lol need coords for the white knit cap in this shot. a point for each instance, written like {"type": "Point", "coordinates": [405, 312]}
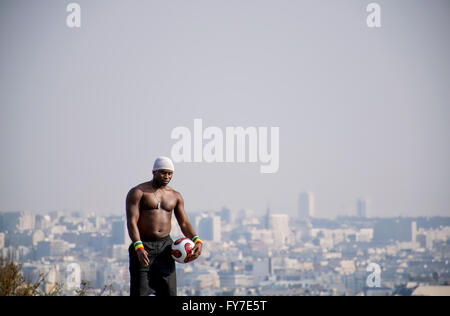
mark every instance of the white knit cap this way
{"type": "Point", "coordinates": [163, 163]}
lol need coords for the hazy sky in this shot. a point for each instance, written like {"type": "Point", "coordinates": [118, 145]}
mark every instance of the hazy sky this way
{"type": "Point", "coordinates": [362, 112]}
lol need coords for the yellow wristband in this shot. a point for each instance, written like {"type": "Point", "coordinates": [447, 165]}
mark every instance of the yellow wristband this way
{"type": "Point", "coordinates": [139, 247]}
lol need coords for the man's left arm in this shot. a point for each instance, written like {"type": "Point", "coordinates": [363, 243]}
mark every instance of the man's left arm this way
{"type": "Point", "coordinates": [186, 226]}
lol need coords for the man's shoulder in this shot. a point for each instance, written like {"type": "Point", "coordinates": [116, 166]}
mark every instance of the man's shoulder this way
{"type": "Point", "coordinates": [173, 191]}
{"type": "Point", "coordinates": [141, 186]}
{"type": "Point", "coordinates": [136, 190]}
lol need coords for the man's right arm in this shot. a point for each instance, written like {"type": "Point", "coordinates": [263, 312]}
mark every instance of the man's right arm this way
{"type": "Point", "coordinates": [132, 206]}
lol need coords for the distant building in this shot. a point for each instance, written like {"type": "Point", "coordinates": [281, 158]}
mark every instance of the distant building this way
{"type": "Point", "coordinates": [2, 240]}
{"type": "Point", "coordinates": [413, 231]}
{"type": "Point", "coordinates": [306, 206]}
{"type": "Point", "coordinates": [234, 280]}
{"type": "Point", "coordinates": [210, 228]}
{"type": "Point", "coordinates": [361, 208]}
{"type": "Point", "coordinates": [119, 233]}
{"type": "Point", "coordinates": [19, 238]}
{"type": "Point", "coordinates": [377, 291]}
{"type": "Point", "coordinates": [267, 219]}
{"type": "Point", "coordinates": [37, 236]}
{"type": "Point", "coordinates": [12, 221]}
{"type": "Point", "coordinates": [422, 240]}
{"type": "Point", "coordinates": [56, 248]}
{"type": "Point", "coordinates": [364, 235]}
{"type": "Point", "coordinates": [392, 229]}
{"type": "Point", "coordinates": [424, 290]}
{"type": "Point", "coordinates": [226, 216]}
{"type": "Point", "coordinates": [42, 222]}
{"type": "Point", "coordinates": [261, 270]}
{"type": "Point", "coordinates": [27, 221]}
{"type": "Point", "coordinates": [279, 225]}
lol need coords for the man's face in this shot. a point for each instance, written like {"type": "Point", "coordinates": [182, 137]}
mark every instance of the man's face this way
{"type": "Point", "coordinates": [163, 176]}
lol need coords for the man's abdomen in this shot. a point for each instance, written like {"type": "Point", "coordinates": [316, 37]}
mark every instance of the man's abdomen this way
{"type": "Point", "coordinates": [155, 223]}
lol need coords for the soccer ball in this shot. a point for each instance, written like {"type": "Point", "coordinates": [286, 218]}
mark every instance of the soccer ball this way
{"type": "Point", "coordinates": [182, 250]}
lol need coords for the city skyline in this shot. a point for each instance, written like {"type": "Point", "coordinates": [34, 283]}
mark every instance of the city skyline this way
{"type": "Point", "coordinates": [351, 212]}
{"type": "Point", "coordinates": [243, 255]}
{"type": "Point", "coordinates": [361, 111]}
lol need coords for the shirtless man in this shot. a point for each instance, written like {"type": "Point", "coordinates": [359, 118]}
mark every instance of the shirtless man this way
{"type": "Point", "coordinates": [149, 208]}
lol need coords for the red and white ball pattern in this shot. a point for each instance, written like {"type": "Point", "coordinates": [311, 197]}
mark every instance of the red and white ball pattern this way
{"type": "Point", "coordinates": [182, 250]}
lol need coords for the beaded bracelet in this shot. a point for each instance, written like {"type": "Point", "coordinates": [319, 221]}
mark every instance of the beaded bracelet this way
{"type": "Point", "coordinates": [197, 239]}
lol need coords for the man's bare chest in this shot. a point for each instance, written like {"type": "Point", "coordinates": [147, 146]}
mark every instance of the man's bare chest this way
{"type": "Point", "coordinates": [158, 200]}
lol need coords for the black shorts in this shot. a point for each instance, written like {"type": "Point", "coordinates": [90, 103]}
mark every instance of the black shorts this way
{"type": "Point", "coordinates": [159, 277]}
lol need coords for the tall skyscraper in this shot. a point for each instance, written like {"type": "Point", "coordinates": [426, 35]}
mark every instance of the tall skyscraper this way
{"type": "Point", "coordinates": [306, 205]}
{"type": "Point", "coordinates": [210, 228]}
{"type": "Point", "coordinates": [267, 219]}
{"type": "Point", "coordinates": [361, 208]}
{"type": "Point", "coordinates": [413, 231]}
{"type": "Point", "coordinates": [279, 225]}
